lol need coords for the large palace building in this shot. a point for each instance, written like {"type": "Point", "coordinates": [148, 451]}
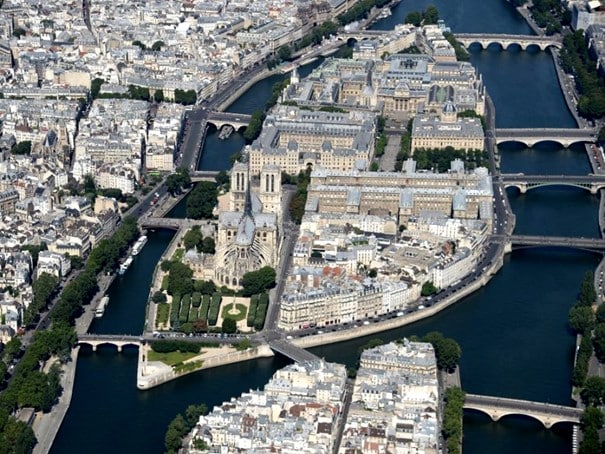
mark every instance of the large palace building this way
{"type": "Point", "coordinates": [296, 139]}
{"type": "Point", "coordinates": [457, 193]}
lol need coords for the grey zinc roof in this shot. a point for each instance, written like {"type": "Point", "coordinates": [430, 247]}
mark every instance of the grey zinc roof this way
{"type": "Point", "coordinates": [459, 202]}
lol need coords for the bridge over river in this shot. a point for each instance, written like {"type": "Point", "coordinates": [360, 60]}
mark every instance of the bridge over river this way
{"type": "Point", "coordinates": [524, 183]}
{"type": "Point", "coordinates": [523, 41]}
{"type": "Point", "coordinates": [531, 136]}
{"type": "Point", "coordinates": [498, 407]}
{"type": "Point", "coordinates": [527, 241]}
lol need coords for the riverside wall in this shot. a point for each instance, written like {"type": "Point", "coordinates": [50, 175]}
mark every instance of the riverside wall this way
{"type": "Point", "coordinates": [146, 380]}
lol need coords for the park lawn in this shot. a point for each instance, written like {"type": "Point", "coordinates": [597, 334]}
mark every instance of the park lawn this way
{"type": "Point", "coordinates": [165, 282]}
{"type": "Point", "coordinates": [178, 255]}
{"type": "Point", "coordinates": [237, 317]}
{"type": "Point", "coordinates": [163, 312]}
{"type": "Point", "coordinates": [170, 358]}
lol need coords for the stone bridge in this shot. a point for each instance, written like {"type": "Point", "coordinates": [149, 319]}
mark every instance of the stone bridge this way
{"type": "Point", "coordinates": [203, 175]}
{"type": "Point", "coordinates": [291, 351]}
{"type": "Point", "coordinates": [360, 35]}
{"type": "Point", "coordinates": [529, 241]}
{"type": "Point", "coordinates": [118, 340]}
{"type": "Point", "coordinates": [524, 183]}
{"type": "Point", "coordinates": [220, 119]}
{"type": "Point", "coordinates": [152, 222]}
{"type": "Point", "coordinates": [523, 41]}
{"type": "Point", "coordinates": [498, 407]}
{"type": "Point", "coordinates": [529, 137]}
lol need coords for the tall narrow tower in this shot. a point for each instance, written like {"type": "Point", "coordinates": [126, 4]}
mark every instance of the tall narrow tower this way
{"type": "Point", "coordinates": [240, 180]}
{"type": "Point", "coordinates": [270, 190]}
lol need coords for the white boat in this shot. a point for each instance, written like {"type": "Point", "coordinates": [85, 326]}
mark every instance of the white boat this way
{"type": "Point", "coordinates": [139, 245]}
{"type": "Point", "coordinates": [124, 266]}
{"type": "Point", "coordinates": [226, 132]}
{"type": "Point", "coordinates": [385, 13]}
{"type": "Point", "coordinates": [101, 307]}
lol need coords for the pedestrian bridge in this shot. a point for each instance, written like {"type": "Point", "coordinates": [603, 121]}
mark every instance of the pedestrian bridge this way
{"type": "Point", "coordinates": [220, 119]}
{"type": "Point", "coordinates": [523, 41]}
{"type": "Point", "coordinates": [118, 340]}
{"type": "Point", "coordinates": [292, 351]}
{"type": "Point", "coordinates": [529, 241]}
{"type": "Point", "coordinates": [524, 183]}
{"type": "Point", "coordinates": [530, 137]}
{"type": "Point", "coordinates": [498, 407]}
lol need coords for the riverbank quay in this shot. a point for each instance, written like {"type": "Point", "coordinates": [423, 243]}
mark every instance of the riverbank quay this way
{"type": "Point", "coordinates": [568, 88]}
{"type": "Point", "coordinates": [46, 425]}
{"type": "Point", "coordinates": [526, 13]}
{"type": "Point", "coordinates": [155, 373]}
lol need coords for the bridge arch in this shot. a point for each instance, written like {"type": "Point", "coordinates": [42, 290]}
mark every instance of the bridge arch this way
{"type": "Point", "coordinates": [546, 420]}
{"type": "Point", "coordinates": [118, 344]}
{"type": "Point", "coordinates": [523, 187]}
{"type": "Point", "coordinates": [220, 124]}
{"type": "Point", "coordinates": [530, 142]}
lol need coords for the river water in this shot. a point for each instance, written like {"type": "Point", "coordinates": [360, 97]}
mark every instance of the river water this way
{"type": "Point", "coordinates": [513, 332]}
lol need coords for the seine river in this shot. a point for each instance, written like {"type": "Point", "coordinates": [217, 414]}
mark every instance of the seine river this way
{"type": "Point", "coordinates": [513, 332]}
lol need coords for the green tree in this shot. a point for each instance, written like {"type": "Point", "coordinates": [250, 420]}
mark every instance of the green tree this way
{"type": "Point", "coordinates": [157, 46]}
{"type": "Point", "coordinates": [255, 126]}
{"type": "Point", "coordinates": [166, 265]}
{"type": "Point", "coordinates": [431, 15]}
{"type": "Point", "coordinates": [193, 238]}
{"type": "Point", "coordinates": [414, 18]}
{"type": "Point", "coordinates": [208, 245]}
{"type": "Point", "coordinates": [193, 413]}
{"type": "Point", "coordinates": [174, 434]}
{"type": "Point", "coordinates": [12, 349]}
{"type": "Point", "coordinates": [95, 87]}
{"type": "Point", "coordinates": [255, 282]}
{"type": "Point", "coordinates": [600, 316]}
{"type": "Point", "coordinates": [24, 147]}
{"type": "Point", "coordinates": [202, 200]}
{"type": "Point", "coordinates": [158, 96]}
{"type": "Point", "coordinates": [284, 52]}
{"type": "Point", "coordinates": [223, 179]}
{"type": "Point", "coordinates": [428, 289]}
{"type": "Point", "coordinates": [447, 350]}
{"type": "Point", "coordinates": [581, 319]}
{"type": "Point", "coordinates": [598, 342]}
{"type": "Point", "coordinates": [593, 392]}
{"type": "Point", "coordinates": [229, 326]}
{"type": "Point", "coordinates": [180, 279]}
{"type": "Point", "coordinates": [159, 297]}
{"type": "Point", "coordinates": [592, 418]}
{"type": "Point", "coordinates": [205, 287]}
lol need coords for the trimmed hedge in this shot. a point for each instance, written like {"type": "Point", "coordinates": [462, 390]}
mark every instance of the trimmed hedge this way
{"type": "Point", "coordinates": [204, 308]}
{"type": "Point", "coordinates": [261, 311]}
{"type": "Point", "coordinates": [185, 304]}
{"type": "Point", "coordinates": [193, 313]}
{"type": "Point", "coordinates": [174, 309]}
{"type": "Point", "coordinates": [213, 311]}
{"type": "Point", "coordinates": [252, 311]}
{"type": "Point", "coordinates": [196, 299]}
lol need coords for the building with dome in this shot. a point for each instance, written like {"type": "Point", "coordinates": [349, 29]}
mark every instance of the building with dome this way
{"type": "Point", "coordinates": [249, 233]}
{"type": "Point", "coordinates": [447, 130]}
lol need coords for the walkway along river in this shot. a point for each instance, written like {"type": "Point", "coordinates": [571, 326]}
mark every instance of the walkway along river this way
{"type": "Point", "coordinates": [506, 329]}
